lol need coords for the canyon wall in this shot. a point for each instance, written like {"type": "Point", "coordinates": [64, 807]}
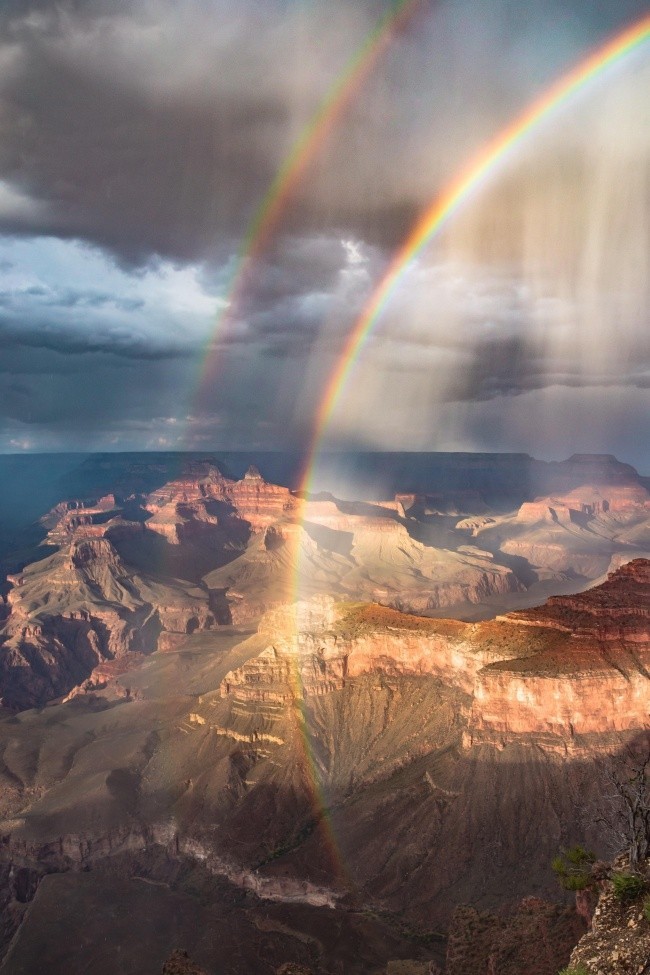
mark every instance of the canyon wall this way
{"type": "Point", "coordinates": [570, 668]}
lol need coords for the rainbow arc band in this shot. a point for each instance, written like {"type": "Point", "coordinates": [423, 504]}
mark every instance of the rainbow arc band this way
{"type": "Point", "coordinates": [471, 178]}
{"type": "Point", "coordinates": [441, 210]}
{"type": "Point", "coordinates": [264, 223]}
{"type": "Point", "coordinates": [306, 147]}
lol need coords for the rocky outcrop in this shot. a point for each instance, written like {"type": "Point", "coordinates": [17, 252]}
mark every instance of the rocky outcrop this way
{"type": "Point", "coordinates": [251, 500]}
{"type": "Point", "coordinates": [590, 673]}
{"type": "Point", "coordinates": [361, 558]}
{"type": "Point", "coordinates": [585, 503]}
{"type": "Point", "coordinates": [81, 608]}
{"type": "Point", "coordinates": [531, 673]}
{"type": "Point", "coordinates": [616, 611]}
{"type": "Point", "coordinates": [578, 532]}
{"type": "Point", "coordinates": [315, 647]}
{"type": "Point", "coordinates": [619, 939]}
{"type": "Point", "coordinates": [73, 517]}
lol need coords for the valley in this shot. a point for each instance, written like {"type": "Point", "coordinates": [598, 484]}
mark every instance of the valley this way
{"type": "Point", "coordinates": [307, 714]}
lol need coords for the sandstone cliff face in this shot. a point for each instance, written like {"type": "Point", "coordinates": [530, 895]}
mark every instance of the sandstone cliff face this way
{"type": "Point", "coordinates": [509, 704]}
{"type": "Point", "coordinates": [251, 499]}
{"type": "Point", "coordinates": [528, 673]}
{"type": "Point", "coordinates": [590, 674]}
{"type": "Point", "coordinates": [315, 649]}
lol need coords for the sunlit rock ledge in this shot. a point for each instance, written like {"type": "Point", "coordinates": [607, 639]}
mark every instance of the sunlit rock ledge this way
{"type": "Point", "coordinates": [558, 672]}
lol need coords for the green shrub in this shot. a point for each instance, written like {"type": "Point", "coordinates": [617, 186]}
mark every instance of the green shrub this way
{"type": "Point", "coordinates": [573, 868]}
{"type": "Point", "coordinates": [574, 970]}
{"type": "Point", "coordinates": [646, 909]}
{"type": "Point", "coordinates": [627, 886]}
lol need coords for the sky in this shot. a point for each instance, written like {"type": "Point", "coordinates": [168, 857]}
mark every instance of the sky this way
{"type": "Point", "coordinates": [138, 139]}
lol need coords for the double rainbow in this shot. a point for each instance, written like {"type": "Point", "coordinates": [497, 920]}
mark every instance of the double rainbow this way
{"type": "Point", "coordinates": [478, 171]}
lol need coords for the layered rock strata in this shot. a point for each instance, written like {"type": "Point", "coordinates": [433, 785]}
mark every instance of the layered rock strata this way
{"type": "Point", "coordinates": [251, 499]}
{"type": "Point", "coordinates": [568, 669]}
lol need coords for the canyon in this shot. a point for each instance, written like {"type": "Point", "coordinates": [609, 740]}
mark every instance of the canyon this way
{"type": "Point", "coordinates": [318, 712]}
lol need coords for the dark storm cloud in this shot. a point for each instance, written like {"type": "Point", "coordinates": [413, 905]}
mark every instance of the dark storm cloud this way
{"type": "Point", "coordinates": [490, 368]}
{"type": "Point", "coordinates": [59, 391]}
{"type": "Point", "coordinates": [118, 342]}
{"type": "Point", "coordinates": [158, 127]}
{"type": "Point", "coordinates": [137, 158]}
{"type": "Point", "coordinates": [298, 293]}
{"type": "Point", "coordinates": [295, 267]}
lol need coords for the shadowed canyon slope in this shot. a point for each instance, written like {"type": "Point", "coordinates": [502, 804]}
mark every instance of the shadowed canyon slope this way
{"type": "Point", "coordinates": [334, 761]}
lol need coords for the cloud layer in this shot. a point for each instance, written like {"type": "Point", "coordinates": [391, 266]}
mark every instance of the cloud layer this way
{"type": "Point", "coordinates": [137, 140]}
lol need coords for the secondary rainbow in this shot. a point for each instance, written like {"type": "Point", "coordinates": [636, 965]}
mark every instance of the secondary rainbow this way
{"type": "Point", "coordinates": [321, 813]}
{"type": "Point", "coordinates": [260, 230]}
{"type": "Point", "coordinates": [485, 164]}
{"type": "Point", "coordinates": [306, 147]}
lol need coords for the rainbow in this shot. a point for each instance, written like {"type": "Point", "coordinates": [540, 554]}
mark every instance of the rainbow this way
{"type": "Point", "coordinates": [260, 230]}
{"type": "Point", "coordinates": [306, 147]}
{"type": "Point", "coordinates": [320, 810]}
{"type": "Point", "coordinates": [485, 164]}
{"type": "Point", "coordinates": [482, 167]}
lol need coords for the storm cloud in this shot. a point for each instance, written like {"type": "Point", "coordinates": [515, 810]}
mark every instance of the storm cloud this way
{"type": "Point", "coordinates": [137, 141]}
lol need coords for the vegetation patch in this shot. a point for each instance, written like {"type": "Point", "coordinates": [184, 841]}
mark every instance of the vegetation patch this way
{"type": "Point", "coordinates": [359, 618]}
{"type": "Point", "coordinates": [572, 868]}
{"type": "Point", "coordinates": [628, 886]}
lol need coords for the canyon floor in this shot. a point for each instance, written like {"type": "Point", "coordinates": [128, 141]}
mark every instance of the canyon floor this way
{"type": "Point", "coordinates": [343, 733]}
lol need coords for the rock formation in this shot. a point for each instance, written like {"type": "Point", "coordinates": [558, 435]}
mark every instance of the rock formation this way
{"type": "Point", "coordinates": [252, 500]}
{"type": "Point", "coordinates": [535, 672]}
{"type": "Point", "coordinates": [246, 546]}
{"type": "Point", "coordinates": [619, 939]}
{"type": "Point", "coordinates": [363, 770]}
{"type": "Point", "coordinates": [80, 609]}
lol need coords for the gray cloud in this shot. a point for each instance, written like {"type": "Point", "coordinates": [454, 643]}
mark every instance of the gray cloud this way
{"type": "Point", "coordinates": [154, 130]}
{"type": "Point", "coordinates": [41, 335]}
{"type": "Point", "coordinates": [143, 128]}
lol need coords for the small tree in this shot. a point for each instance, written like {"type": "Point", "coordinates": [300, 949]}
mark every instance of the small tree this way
{"type": "Point", "coordinates": [573, 868]}
{"type": "Point", "coordinates": [626, 806]}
